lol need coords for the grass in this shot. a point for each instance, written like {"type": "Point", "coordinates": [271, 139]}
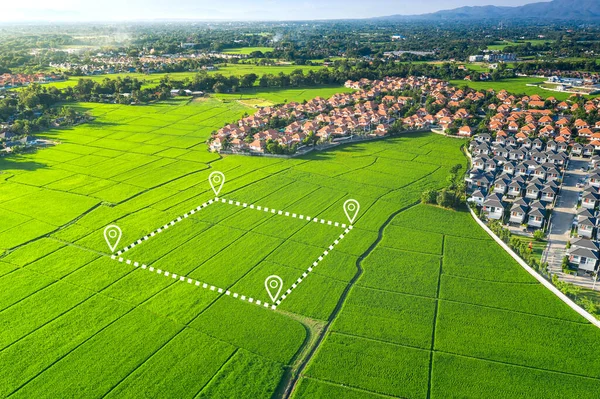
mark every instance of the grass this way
{"type": "Point", "coordinates": [265, 97]}
{"type": "Point", "coordinates": [501, 45]}
{"type": "Point", "coordinates": [248, 50]}
{"type": "Point", "coordinates": [517, 86]}
{"type": "Point", "coordinates": [537, 247]}
{"type": "Point", "coordinates": [434, 292]}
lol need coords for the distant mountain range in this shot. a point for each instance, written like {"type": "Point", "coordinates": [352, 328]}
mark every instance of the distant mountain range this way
{"type": "Point", "coordinates": [556, 10]}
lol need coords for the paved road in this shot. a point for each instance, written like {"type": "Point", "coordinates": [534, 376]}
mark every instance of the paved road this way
{"type": "Point", "coordinates": [562, 219]}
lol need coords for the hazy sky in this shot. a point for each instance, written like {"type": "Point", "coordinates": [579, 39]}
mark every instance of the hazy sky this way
{"type": "Point", "coordinates": [118, 10]}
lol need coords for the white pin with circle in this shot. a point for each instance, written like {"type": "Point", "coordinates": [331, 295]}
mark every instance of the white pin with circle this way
{"type": "Point", "coordinates": [112, 235]}
{"type": "Point", "coordinates": [216, 180]}
{"type": "Point", "coordinates": [273, 284]}
{"type": "Point", "coordinates": [351, 208]}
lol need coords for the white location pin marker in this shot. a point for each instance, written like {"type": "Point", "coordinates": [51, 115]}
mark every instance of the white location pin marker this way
{"type": "Point", "coordinates": [273, 285]}
{"type": "Point", "coordinates": [112, 235]}
{"type": "Point", "coordinates": [216, 180]}
{"type": "Point", "coordinates": [351, 208]}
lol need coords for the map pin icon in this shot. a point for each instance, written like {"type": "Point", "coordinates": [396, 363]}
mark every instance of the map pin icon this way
{"type": "Point", "coordinates": [112, 235]}
{"type": "Point", "coordinates": [351, 208]}
{"type": "Point", "coordinates": [273, 285]}
{"type": "Point", "coordinates": [216, 180]}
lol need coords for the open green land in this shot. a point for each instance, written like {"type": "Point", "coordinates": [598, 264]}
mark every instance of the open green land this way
{"type": "Point", "coordinates": [501, 45]}
{"type": "Point", "coordinates": [151, 80]}
{"type": "Point", "coordinates": [435, 308]}
{"type": "Point", "coordinates": [248, 50]}
{"type": "Point", "coordinates": [263, 97]}
{"type": "Point", "coordinates": [515, 86]}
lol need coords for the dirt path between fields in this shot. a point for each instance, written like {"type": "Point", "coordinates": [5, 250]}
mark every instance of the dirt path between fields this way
{"type": "Point", "coordinates": [292, 378]}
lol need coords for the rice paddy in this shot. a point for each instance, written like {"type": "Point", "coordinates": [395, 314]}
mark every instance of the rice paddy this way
{"type": "Point", "coordinates": [433, 308]}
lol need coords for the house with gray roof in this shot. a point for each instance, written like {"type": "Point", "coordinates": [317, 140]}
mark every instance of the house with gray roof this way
{"type": "Point", "coordinates": [501, 185]}
{"type": "Point", "coordinates": [515, 189]}
{"type": "Point", "coordinates": [589, 200]}
{"type": "Point", "coordinates": [479, 163]}
{"type": "Point", "coordinates": [493, 207]}
{"type": "Point", "coordinates": [533, 191]}
{"type": "Point", "coordinates": [481, 181]}
{"type": "Point", "coordinates": [562, 147]}
{"type": "Point", "coordinates": [477, 197]}
{"type": "Point", "coordinates": [595, 161]}
{"type": "Point", "coordinates": [491, 165]}
{"type": "Point", "coordinates": [584, 253]}
{"type": "Point", "coordinates": [595, 179]}
{"type": "Point", "coordinates": [552, 174]}
{"type": "Point", "coordinates": [539, 172]}
{"type": "Point", "coordinates": [588, 150]}
{"type": "Point", "coordinates": [539, 157]}
{"type": "Point", "coordinates": [548, 193]}
{"type": "Point", "coordinates": [586, 227]}
{"type": "Point", "coordinates": [537, 217]}
{"type": "Point", "coordinates": [518, 212]}
{"type": "Point", "coordinates": [584, 213]}
{"type": "Point", "coordinates": [483, 137]}
{"type": "Point", "coordinates": [509, 167]}
{"type": "Point", "coordinates": [516, 155]}
{"type": "Point", "coordinates": [521, 169]}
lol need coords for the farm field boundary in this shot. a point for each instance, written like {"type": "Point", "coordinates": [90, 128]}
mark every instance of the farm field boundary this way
{"type": "Point", "coordinates": [220, 290]}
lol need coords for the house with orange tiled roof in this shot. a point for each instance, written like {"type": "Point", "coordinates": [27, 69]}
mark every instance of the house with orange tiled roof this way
{"type": "Point", "coordinates": [562, 122]}
{"type": "Point", "coordinates": [581, 124]}
{"type": "Point", "coordinates": [545, 120]}
{"type": "Point", "coordinates": [584, 133]}
{"type": "Point", "coordinates": [536, 104]}
{"type": "Point", "coordinates": [465, 131]}
{"type": "Point", "coordinates": [257, 146]}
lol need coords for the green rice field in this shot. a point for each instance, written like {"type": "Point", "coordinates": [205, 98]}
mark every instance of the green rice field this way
{"type": "Point", "coordinates": [413, 302]}
{"type": "Point", "coordinates": [248, 50]}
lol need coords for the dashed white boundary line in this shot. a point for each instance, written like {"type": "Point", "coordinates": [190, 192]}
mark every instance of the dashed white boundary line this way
{"type": "Point", "coordinates": [281, 213]}
{"type": "Point", "coordinates": [219, 290]}
{"type": "Point", "coordinates": [315, 264]}
{"type": "Point", "coordinates": [194, 282]}
{"type": "Point", "coordinates": [166, 226]}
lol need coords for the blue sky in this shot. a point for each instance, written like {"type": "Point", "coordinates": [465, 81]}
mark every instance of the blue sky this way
{"type": "Point", "coordinates": [119, 10]}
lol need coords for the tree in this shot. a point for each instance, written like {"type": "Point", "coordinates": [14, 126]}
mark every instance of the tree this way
{"type": "Point", "coordinates": [429, 197]}
{"type": "Point", "coordinates": [219, 87]}
{"type": "Point", "coordinates": [445, 198]}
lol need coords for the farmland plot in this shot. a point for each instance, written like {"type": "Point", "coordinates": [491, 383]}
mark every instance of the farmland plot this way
{"type": "Point", "coordinates": [490, 329]}
{"type": "Point", "coordinates": [419, 321]}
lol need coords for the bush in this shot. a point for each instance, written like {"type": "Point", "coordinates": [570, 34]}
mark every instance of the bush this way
{"type": "Point", "coordinates": [538, 235]}
{"type": "Point", "coordinates": [565, 264]}
{"type": "Point", "coordinates": [429, 197]}
{"type": "Point", "coordinates": [589, 305]}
